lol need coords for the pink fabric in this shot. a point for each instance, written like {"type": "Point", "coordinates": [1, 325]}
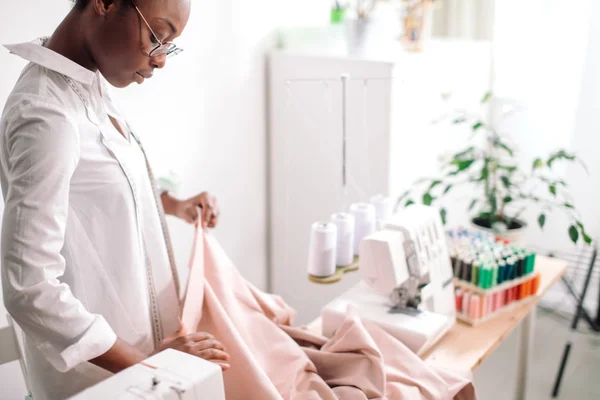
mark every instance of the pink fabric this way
{"type": "Point", "coordinates": [271, 360]}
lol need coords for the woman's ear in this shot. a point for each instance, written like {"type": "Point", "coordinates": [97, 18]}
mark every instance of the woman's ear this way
{"type": "Point", "coordinates": [104, 7]}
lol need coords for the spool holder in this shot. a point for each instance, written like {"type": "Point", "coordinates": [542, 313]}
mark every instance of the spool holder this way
{"type": "Point", "coordinates": [339, 274]}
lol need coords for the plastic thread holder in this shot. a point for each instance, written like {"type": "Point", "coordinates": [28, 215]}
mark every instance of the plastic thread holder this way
{"type": "Point", "coordinates": [490, 275]}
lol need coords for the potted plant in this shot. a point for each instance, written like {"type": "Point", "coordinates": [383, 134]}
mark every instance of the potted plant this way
{"type": "Point", "coordinates": [506, 189]}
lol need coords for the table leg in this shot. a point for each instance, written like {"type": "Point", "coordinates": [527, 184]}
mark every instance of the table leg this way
{"type": "Point", "coordinates": [524, 349]}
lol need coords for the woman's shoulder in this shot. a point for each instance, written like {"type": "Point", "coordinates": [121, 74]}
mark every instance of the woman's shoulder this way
{"type": "Point", "coordinates": [40, 88]}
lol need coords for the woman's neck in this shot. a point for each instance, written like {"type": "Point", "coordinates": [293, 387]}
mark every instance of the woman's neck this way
{"type": "Point", "coordinates": [68, 40]}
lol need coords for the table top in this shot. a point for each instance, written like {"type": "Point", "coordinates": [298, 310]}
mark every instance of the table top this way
{"type": "Point", "coordinates": [465, 347]}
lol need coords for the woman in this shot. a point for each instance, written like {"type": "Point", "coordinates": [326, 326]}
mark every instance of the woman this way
{"type": "Point", "coordinates": [87, 270]}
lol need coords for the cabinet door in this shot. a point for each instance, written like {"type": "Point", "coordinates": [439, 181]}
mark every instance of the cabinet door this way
{"type": "Point", "coordinates": [306, 160]}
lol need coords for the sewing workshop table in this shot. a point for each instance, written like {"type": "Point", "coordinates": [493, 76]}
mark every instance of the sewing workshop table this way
{"type": "Point", "coordinates": [465, 348]}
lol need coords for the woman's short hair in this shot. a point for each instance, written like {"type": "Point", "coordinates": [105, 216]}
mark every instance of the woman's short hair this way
{"type": "Point", "coordinates": [80, 4]}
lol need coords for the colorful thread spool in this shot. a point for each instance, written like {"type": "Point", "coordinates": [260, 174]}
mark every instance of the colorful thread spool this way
{"type": "Point", "coordinates": [474, 311]}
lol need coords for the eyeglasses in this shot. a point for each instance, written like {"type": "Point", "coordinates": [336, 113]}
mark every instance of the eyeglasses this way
{"type": "Point", "coordinates": [160, 48]}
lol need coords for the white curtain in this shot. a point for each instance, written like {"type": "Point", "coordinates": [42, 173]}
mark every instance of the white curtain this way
{"type": "Point", "coordinates": [463, 19]}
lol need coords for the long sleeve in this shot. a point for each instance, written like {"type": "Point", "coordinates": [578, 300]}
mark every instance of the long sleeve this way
{"type": "Point", "coordinates": [41, 148]}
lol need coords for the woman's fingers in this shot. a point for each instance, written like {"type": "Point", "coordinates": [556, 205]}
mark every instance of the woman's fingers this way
{"type": "Point", "coordinates": [213, 355]}
{"type": "Point", "coordinates": [213, 222]}
{"type": "Point", "coordinates": [224, 366]}
{"type": "Point", "coordinates": [209, 344]}
{"type": "Point", "coordinates": [207, 211]}
{"type": "Point", "coordinates": [199, 336]}
{"type": "Point", "coordinates": [213, 219]}
{"type": "Point", "coordinates": [191, 215]}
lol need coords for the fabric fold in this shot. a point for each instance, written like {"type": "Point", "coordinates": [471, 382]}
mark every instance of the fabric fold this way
{"type": "Point", "coordinates": [271, 360]}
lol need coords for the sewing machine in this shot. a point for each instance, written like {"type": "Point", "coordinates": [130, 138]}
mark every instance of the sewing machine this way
{"type": "Point", "coordinates": [169, 375]}
{"type": "Point", "coordinates": [407, 284]}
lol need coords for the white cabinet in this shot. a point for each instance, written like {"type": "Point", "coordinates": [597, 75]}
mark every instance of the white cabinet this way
{"type": "Point", "coordinates": [391, 141]}
{"type": "Point", "coordinates": [305, 146]}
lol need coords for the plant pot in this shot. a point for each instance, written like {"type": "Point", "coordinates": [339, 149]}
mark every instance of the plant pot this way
{"type": "Point", "coordinates": [515, 232]}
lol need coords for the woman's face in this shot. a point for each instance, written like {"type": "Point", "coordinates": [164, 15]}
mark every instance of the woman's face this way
{"type": "Point", "coordinates": [121, 40]}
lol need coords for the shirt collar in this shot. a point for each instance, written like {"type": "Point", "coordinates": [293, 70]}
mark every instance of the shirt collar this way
{"type": "Point", "coordinates": [37, 53]}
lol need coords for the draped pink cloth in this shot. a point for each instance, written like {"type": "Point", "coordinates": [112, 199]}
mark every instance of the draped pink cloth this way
{"type": "Point", "coordinates": [270, 360]}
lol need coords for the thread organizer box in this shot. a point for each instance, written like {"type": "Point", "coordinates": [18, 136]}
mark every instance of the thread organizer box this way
{"type": "Point", "coordinates": [490, 275]}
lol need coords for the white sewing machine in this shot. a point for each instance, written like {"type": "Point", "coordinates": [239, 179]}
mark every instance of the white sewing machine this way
{"type": "Point", "coordinates": [407, 284]}
{"type": "Point", "coordinates": [169, 375]}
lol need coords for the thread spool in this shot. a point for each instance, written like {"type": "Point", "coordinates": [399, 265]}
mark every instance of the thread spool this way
{"type": "Point", "coordinates": [467, 270]}
{"type": "Point", "coordinates": [345, 238]}
{"type": "Point", "coordinates": [322, 249]}
{"type": "Point", "coordinates": [364, 222]}
{"type": "Point", "coordinates": [475, 273]}
{"type": "Point", "coordinates": [484, 273]}
{"type": "Point", "coordinates": [383, 207]}
{"type": "Point", "coordinates": [501, 271]}
{"type": "Point", "coordinates": [483, 306]}
{"type": "Point", "coordinates": [521, 265]}
{"type": "Point", "coordinates": [459, 299]}
{"type": "Point", "coordinates": [466, 302]}
{"type": "Point", "coordinates": [474, 310]}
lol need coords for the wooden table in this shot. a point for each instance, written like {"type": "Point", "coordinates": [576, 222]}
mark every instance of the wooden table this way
{"type": "Point", "coordinates": [465, 347]}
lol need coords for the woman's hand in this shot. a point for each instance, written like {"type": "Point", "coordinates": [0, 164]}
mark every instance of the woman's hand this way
{"type": "Point", "coordinates": [199, 344]}
{"type": "Point", "coordinates": [202, 206]}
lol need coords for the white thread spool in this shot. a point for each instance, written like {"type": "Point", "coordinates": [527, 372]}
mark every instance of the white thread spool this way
{"type": "Point", "coordinates": [364, 222]}
{"type": "Point", "coordinates": [383, 208]}
{"type": "Point", "coordinates": [322, 249]}
{"type": "Point", "coordinates": [345, 238]}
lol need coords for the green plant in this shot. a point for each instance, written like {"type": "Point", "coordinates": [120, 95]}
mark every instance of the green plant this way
{"type": "Point", "coordinates": [507, 190]}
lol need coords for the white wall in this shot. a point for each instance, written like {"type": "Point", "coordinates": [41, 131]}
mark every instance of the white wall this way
{"type": "Point", "coordinates": [203, 116]}
{"type": "Point", "coordinates": [554, 77]}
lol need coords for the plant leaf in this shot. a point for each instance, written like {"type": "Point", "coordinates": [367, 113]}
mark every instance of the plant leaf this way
{"type": "Point", "coordinates": [486, 97]}
{"type": "Point", "coordinates": [505, 181]}
{"type": "Point", "coordinates": [542, 220]}
{"type": "Point", "coordinates": [486, 215]}
{"type": "Point", "coordinates": [434, 184]}
{"type": "Point", "coordinates": [459, 120]}
{"type": "Point", "coordinates": [493, 202]}
{"type": "Point", "coordinates": [427, 199]}
{"type": "Point", "coordinates": [403, 196]}
{"type": "Point", "coordinates": [569, 205]}
{"type": "Point", "coordinates": [507, 199]}
{"type": "Point", "coordinates": [573, 233]}
{"type": "Point", "coordinates": [485, 172]}
{"type": "Point", "coordinates": [443, 215]}
{"type": "Point", "coordinates": [464, 152]}
{"type": "Point", "coordinates": [504, 146]}
{"type": "Point", "coordinates": [510, 169]}
{"type": "Point", "coordinates": [552, 189]}
{"type": "Point", "coordinates": [477, 126]}
{"type": "Point", "coordinates": [409, 203]}
{"type": "Point", "coordinates": [586, 238]}
{"type": "Point", "coordinates": [472, 204]}
{"type": "Point", "coordinates": [560, 155]}
{"type": "Point", "coordinates": [463, 164]}
{"type": "Point", "coordinates": [447, 189]}
{"type": "Point", "coordinates": [538, 163]}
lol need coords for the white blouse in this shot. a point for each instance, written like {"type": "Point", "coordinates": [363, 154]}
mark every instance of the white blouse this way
{"type": "Point", "coordinates": [83, 251]}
